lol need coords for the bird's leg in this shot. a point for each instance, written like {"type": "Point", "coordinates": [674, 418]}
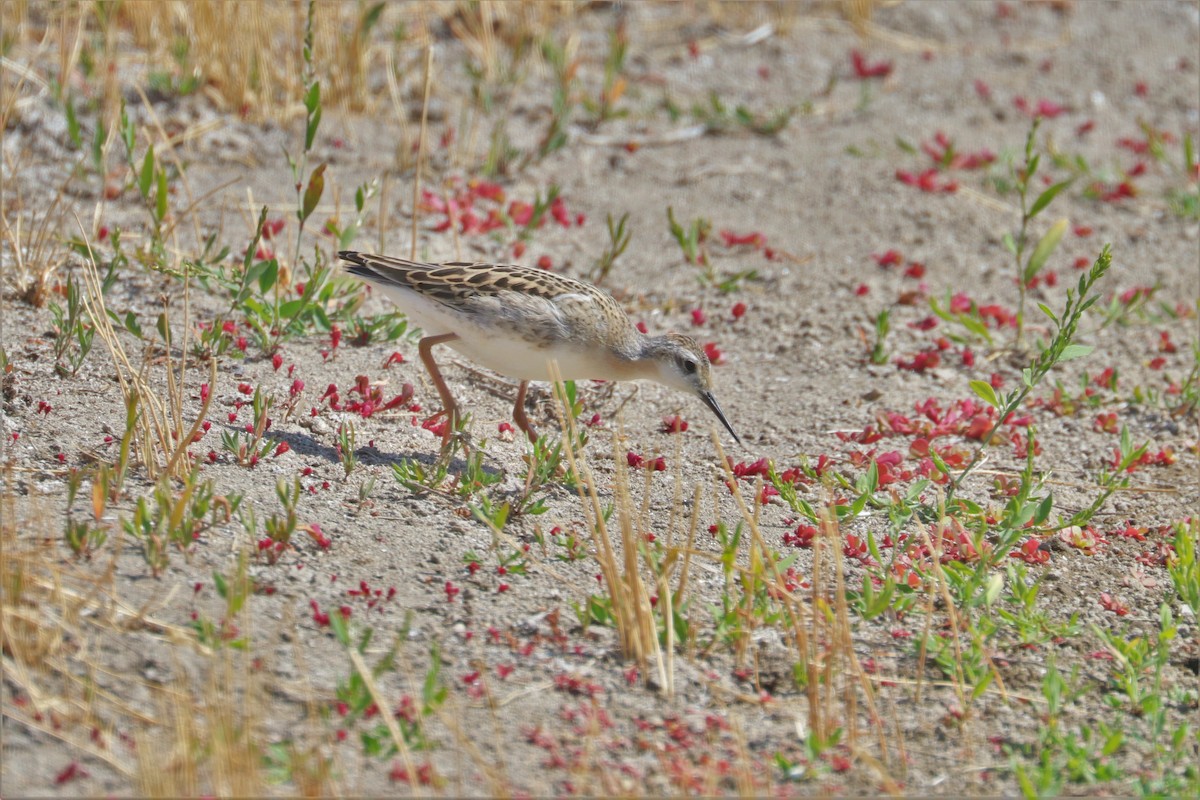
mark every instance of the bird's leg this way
{"type": "Point", "coordinates": [449, 407]}
{"type": "Point", "coordinates": [519, 416]}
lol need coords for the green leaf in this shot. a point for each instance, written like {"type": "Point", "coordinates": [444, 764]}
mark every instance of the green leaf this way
{"type": "Point", "coordinates": [312, 98]}
{"type": "Point", "coordinates": [371, 17]}
{"type": "Point", "coordinates": [1010, 244]}
{"type": "Point", "coordinates": [312, 195]}
{"type": "Point", "coordinates": [132, 325]}
{"type": "Point", "coordinates": [1044, 248]}
{"type": "Point", "coordinates": [267, 277]}
{"type": "Point", "coordinates": [1044, 508]}
{"type": "Point", "coordinates": [338, 623]}
{"type": "Point", "coordinates": [73, 125]}
{"type": "Point", "coordinates": [160, 204]}
{"type": "Point", "coordinates": [995, 584]}
{"type": "Point", "coordinates": [312, 103]}
{"type": "Point", "coordinates": [986, 392]}
{"type": "Point", "coordinates": [146, 177]}
{"type": "Point", "coordinates": [1045, 198]}
{"type": "Point", "coordinates": [310, 133]}
{"type": "Point", "coordinates": [1073, 351]}
{"type": "Point", "coordinates": [1046, 310]}
{"type": "Point", "coordinates": [98, 146]}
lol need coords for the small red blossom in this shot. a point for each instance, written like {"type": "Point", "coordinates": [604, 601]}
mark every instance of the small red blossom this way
{"type": "Point", "coordinates": [920, 362]}
{"type": "Point", "coordinates": [738, 310]}
{"type": "Point", "coordinates": [272, 227]}
{"type": "Point", "coordinates": [715, 356]}
{"type": "Point", "coordinates": [889, 259]}
{"type": "Point", "coordinates": [927, 181]}
{"type": "Point", "coordinates": [72, 771]}
{"type": "Point", "coordinates": [675, 424]}
{"type": "Point", "coordinates": [863, 70]}
{"type": "Point", "coordinates": [753, 239]}
{"type": "Point", "coordinates": [1110, 603]}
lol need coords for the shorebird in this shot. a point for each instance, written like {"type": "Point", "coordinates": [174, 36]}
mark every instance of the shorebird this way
{"type": "Point", "coordinates": [516, 320]}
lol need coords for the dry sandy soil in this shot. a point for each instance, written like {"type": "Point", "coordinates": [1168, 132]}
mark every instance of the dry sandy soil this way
{"type": "Point", "coordinates": [111, 684]}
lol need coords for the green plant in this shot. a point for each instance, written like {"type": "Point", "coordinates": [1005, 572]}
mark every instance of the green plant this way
{"type": "Point", "coordinates": [248, 446]}
{"type": "Point", "coordinates": [1061, 347]}
{"type": "Point", "coordinates": [1184, 568]}
{"type": "Point", "coordinates": [151, 180]}
{"type": "Point", "coordinates": [72, 334]}
{"type": "Point", "coordinates": [80, 535]}
{"type": "Point", "coordinates": [476, 478]}
{"type": "Point", "coordinates": [604, 108]}
{"type": "Point", "coordinates": [563, 101]}
{"type": "Point", "coordinates": [234, 592]}
{"type": "Point", "coordinates": [691, 239]}
{"type": "Point", "coordinates": [618, 241]}
{"type": "Point", "coordinates": [1133, 657]}
{"type": "Point", "coordinates": [280, 528]}
{"type": "Point", "coordinates": [345, 236]}
{"type": "Point", "coordinates": [416, 477]}
{"type": "Point", "coordinates": [1110, 480]}
{"type": "Point", "coordinates": [879, 354]}
{"type": "Point", "coordinates": [165, 518]}
{"type": "Point", "coordinates": [345, 447]}
{"type": "Point", "coordinates": [718, 119]}
{"type": "Point", "coordinates": [1028, 266]}
{"type": "Point", "coordinates": [1032, 626]}
{"type": "Point", "coordinates": [596, 610]}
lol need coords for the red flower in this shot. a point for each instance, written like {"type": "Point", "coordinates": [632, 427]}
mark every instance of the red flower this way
{"type": "Point", "coordinates": [888, 259]}
{"type": "Point", "coordinates": [675, 424]}
{"type": "Point", "coordinates": [754, 239]}
{"type": "Point", "coordinates": [864, 70]}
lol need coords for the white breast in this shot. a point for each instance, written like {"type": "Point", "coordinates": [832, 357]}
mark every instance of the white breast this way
{"type": "Point", "coordinates": [498, 348]}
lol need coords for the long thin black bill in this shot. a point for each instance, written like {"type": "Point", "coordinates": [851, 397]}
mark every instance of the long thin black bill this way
{"type": "Point", "coordinates": [711, 402]}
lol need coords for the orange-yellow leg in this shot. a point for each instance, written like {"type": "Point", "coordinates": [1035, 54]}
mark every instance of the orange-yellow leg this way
{"type": "Point", "coordinates": [449, 407]}
{"type": "Point", "coordinates": [519, 416]}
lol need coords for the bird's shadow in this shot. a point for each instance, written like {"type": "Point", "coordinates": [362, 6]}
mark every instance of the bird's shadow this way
{"type": "Point", "coordinates": [306, 445]}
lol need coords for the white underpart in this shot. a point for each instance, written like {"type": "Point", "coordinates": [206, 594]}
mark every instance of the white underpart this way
{"type": "Point", "coordinates": [496, 347]}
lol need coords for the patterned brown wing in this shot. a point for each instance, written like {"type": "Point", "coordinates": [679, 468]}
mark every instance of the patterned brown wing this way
{"type": "Point", "coordinates": [456, 282]}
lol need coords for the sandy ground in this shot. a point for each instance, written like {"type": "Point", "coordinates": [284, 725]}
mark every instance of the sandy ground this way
{"type": "Point", "coordinates": [826, 196]}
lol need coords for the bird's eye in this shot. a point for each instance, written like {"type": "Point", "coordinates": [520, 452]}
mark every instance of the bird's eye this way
{"type": "Point", "coordinates": [688, 366]}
